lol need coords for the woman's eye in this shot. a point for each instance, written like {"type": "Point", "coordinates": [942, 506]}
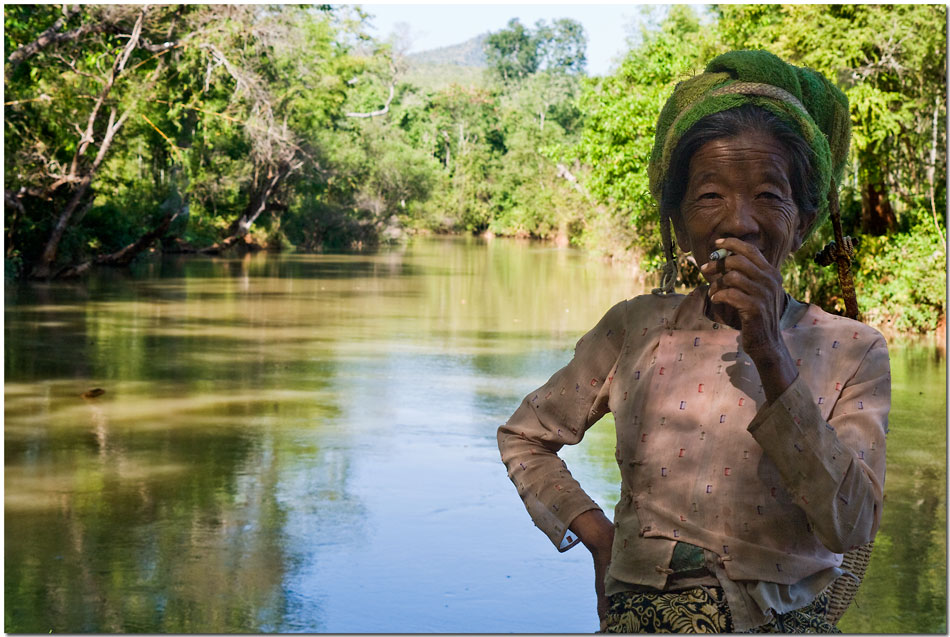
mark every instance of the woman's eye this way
{"type": "Point", "coordinates": [769, 195]}
{"type": "Point", "coordinates": [709, 195]}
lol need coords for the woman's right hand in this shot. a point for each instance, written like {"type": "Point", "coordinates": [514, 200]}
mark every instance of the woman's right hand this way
{"type": "Point", "coordinates": [597, 533]}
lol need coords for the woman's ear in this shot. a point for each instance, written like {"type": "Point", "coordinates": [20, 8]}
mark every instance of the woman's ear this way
{"type": "Point", "coordinates": [804, 225]}
{"type": "Point", "coordinates": [682, 237]}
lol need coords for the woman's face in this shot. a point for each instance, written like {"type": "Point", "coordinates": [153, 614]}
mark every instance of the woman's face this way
{"type": "Point", "coordinates": [739, 187]}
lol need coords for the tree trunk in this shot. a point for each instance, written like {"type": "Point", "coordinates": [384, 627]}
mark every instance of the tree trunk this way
{"type": "Point", "coordinates": [11, 200]}
{"type": "Point", "coordinates": [931, 172]}
{"type": "Point", "coordinates": [253, 210]}
{"type": "Point", "coordinates": [42, 270]}
{"type": "Point", "coordinates": [124, 257]}
{"type": "Point", "coordinates": [878, 216]}
{"type": "Point", "coordinates": [448, 150]}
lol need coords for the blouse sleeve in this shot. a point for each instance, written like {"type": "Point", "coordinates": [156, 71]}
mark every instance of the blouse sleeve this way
{"type": "Point", "coordinates": [557, 414]}
{"type": "Point", "coordinates": [833, 469]}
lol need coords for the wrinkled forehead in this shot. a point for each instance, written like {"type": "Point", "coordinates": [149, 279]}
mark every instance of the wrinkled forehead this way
{"type": "Point", "coordinates": [746, 157]}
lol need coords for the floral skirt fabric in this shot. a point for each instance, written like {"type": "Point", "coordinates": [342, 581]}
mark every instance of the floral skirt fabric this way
{"type": "Point", "coordinates": [702, 610]}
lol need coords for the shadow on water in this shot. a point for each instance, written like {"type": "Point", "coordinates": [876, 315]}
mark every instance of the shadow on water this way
{"type": "Point", "coordinates": [261, 264]}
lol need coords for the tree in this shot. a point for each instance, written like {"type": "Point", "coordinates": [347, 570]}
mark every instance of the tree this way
{"type": "Point", "coordinates": [212, 106]}
{"type": "Point", "coordinates": [562, 46]}
{"type": "Point", "coordinates": [516, 52]}
{"type": "Point", "coordinates": [512, 52]}
{"type": "Point", "coordinates": [47, 162]}
{"type": "Point", "coordinates": [262, 63]}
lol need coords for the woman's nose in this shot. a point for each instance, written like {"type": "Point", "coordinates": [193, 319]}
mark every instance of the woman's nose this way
{"type": "Point", "coordinates": [739, 220]}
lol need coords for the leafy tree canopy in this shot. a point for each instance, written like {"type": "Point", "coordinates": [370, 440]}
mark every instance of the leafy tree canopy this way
{"type": "Point", "coordinates": [516, 52]}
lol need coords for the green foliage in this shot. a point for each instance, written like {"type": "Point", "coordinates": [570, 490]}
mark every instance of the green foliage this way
{"type": "Point", "coordinates": [901, 280]}
{"type": "Point", "coordinates": [517, 52]}
{"type": "Point", "coordinates": [539, 119]}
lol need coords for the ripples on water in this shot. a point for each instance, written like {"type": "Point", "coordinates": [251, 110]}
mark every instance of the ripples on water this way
{"type": "Point", "coordinates": [307, 443]}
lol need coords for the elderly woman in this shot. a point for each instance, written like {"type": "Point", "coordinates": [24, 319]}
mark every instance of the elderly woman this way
{"type": "Point", "coordinates": [750, 426]}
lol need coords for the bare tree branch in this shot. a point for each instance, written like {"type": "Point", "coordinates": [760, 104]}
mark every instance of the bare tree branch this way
{"type": "Point", "coordinates": [43, 267]}
{"type": "Point", "coordinates": [219, 57]}
{"type": "Point", "coordinates": [389, 100]}
{"type": "Point", "coordinates": [384, 109]}
{"type": "Point", "coordinates": [51, 36]}
{"type": "Point", "coordinates": [42, 98]}
{"type": "Point", "coordinates": [117, 67]}
{"type": "Point", "coordinates": [156, 48]}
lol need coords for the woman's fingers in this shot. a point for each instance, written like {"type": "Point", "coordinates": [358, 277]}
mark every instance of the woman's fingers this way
{"type": "Point", "coordinates": [746, 268]}
{"type": "Point", "coordinates": [747, 250]}
{"type": "Point", "coordinates": [758, 287]}
{"type": "Point", "coordinates": [745, 294]}
{"type": "Point", "coordinates": [753, 269]}
{"type": "Point", "coordinates": [748, 305]}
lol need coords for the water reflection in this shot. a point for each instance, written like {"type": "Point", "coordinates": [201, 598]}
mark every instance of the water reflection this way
{"type": "Point", "coordinates": [112, 527]}
{"type": "Point", "coordinates": [307, 443]}
{"type": "Point", "coordinates": [905, 589]}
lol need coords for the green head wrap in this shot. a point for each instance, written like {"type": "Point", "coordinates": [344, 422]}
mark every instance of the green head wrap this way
{"type": "Point", "coordinates": [803, 98]}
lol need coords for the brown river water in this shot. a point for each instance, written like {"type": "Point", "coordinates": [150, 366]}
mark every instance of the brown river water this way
{"type": "Point", "coordinates": [306, 443]}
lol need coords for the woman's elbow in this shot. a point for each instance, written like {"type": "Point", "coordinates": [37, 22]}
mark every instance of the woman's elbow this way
{"type": "Point", "coordinates": [841, 533]}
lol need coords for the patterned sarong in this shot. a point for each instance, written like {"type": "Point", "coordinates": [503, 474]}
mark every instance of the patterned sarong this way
{"type": "Point", "coordinates": [702, 610]}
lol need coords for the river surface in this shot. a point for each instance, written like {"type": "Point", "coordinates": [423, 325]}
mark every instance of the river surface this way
{"type": "Point", "coordinates": [306, 443]}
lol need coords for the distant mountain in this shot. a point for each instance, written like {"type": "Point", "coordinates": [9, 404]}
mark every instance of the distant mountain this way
{"type": "Point", "coordinates": [468, 53]}
{"type": "Point", "coordinates": [462, 64]}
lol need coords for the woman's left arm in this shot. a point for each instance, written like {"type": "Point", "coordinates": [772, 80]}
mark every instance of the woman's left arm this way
{"type": "Point", "coordinates": [833, 469]}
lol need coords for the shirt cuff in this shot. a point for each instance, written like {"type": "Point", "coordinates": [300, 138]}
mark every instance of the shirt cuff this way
{"type": "Point", "coordinates": [555, 520]}
{"type": "Point", "coordinates": [569, 541]}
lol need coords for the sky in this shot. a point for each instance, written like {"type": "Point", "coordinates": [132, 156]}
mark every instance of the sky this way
{"type": "Point", "coordinates": [436, 25]}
